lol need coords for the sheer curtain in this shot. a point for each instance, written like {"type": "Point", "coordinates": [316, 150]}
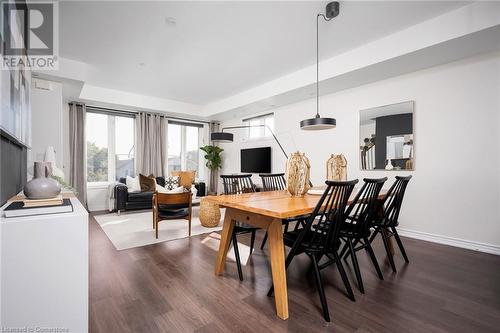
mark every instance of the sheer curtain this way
{"type": "Point", "coordinates": [77, 147]}
{"type": "Point", "coordinates": [150, 143]}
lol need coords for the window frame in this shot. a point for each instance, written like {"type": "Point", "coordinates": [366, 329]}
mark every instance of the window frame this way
{"type": "Point", "coordinates": [263, 131]}
{"type": "Point", "coordinates": [200, 172]}
{"type": "Point", "coordinates": [111, 136]}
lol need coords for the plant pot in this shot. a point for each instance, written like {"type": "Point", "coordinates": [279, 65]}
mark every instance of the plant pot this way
{"type": "Point", "coordinates": [209, 214]}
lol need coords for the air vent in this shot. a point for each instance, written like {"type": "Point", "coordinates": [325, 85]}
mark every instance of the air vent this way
{"type": "Point", "coordinates": [42, 84]}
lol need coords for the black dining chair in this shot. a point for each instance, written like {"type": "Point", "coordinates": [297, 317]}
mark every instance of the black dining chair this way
{"type": "Point", "coordinates": [356, 228]}
{"type": "Point", "coordinates": [387, 223]}
{"type": "Point", "coordinates": [273, 181]}
{"type": "Point", "coordinates": [239, 184]}
{"type": "Point", "coordinates": [320, 236]}
{"type": "Point", "coordinates": [276, 182]}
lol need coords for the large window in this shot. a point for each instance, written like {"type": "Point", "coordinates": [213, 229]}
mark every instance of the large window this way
{"type": "Point", "coordinates": [260, 131]}
{"type": "Point", "coordinates": [110, 147]}
{"type": "Point", "coordinates": [184, 142]}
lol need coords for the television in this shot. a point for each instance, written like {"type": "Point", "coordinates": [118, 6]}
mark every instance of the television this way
{"type": "Point", "coordinates": [256, 160]}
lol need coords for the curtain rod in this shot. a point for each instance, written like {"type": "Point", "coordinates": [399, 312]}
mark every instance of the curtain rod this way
{"type": "Point", "coordinates": [157, 113]}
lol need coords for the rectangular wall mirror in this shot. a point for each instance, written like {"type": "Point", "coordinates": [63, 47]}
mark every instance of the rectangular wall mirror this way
{"type": "Point", "coordinates": [386, 137]}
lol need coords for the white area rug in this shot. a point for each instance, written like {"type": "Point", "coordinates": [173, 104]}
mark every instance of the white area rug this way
{"type": "Point", "coordinates": [134, 229]}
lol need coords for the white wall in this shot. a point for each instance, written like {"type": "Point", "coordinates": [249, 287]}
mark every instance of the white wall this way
{"type": "Point", "coordinates": [454, 196]}
{"type": "Point", "coordinates": [47, 120]}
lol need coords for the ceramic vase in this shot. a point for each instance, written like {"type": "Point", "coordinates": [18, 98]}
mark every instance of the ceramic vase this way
{"type": "Point", "coordinates": [389, 166]}
{"type": "Point", "coordinates": [336, 168]}
{"type": "Point", "coordinates": [298, 171]}
{"type": "Point", "coordinates": [42, 186]}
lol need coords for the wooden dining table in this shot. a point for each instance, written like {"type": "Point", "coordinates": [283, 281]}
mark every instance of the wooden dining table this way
{"type": "Point", "coordinates": [266, 211]}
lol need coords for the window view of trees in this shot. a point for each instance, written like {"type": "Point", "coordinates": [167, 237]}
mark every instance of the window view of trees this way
{"type": "Point", "coordinates": [110, 147]}
{"type": "Point", "coordinates": [97, 163]}
{"type": "Point", "coordinates": [111, 153]}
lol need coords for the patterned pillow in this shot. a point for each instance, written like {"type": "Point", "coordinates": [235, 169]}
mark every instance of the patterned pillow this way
{"type": "Point", "coordinates": [171, 182]}
{"type": "Point", "coordinates": [186, 178]}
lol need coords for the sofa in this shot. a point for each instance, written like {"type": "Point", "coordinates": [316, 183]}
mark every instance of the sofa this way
{"type": "Point", "coordinates": [133, 200]}
{"type": "Point", "coordinates": [125, 200]}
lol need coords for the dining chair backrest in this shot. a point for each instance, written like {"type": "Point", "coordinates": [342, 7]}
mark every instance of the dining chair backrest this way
{"type": "Point", "coordinates": [393, 200]}
{"type": "Point", "coordinates": [237, 184]}
{"type": "Point", "coordinates": [323, 226]}
{"type": "Point", "coordinates": [273, 181]}
{"type": "Point", "coordinates": [173, 199]}
{"type": "Point", "coordinates": [363, 207]}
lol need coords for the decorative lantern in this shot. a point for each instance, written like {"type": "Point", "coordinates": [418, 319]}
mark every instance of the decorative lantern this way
{"type": "Point", "coordinates": [336, 168]}
{"type": "Point", "coordinates": [298, 171]}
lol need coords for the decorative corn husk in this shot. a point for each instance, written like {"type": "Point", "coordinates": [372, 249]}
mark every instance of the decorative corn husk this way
{"type": "Point", "coordinates": [298, 171]}
{"type": "Point", "coordinates": [336, 168]}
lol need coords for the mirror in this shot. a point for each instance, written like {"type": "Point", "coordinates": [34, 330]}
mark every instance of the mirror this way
{"type": "Point", "coordinates": [386, 137]}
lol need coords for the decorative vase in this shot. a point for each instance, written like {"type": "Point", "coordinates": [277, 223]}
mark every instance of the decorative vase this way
{"type": "Point", "coordinates": [336, 168]}
{"type": "Point", "coordinates": [209, 214]}
{"type": "Point", "coordinates": [298, 171]}
{"type": "Point", "coordinates": [42, 186]}
{"type": "Point", "coordinates": [389, 166]}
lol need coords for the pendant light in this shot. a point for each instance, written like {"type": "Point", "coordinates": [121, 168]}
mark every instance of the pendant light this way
{"type": "Point", "coordinates": [318, 122]}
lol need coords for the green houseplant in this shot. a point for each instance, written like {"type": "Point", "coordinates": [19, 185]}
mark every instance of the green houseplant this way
{"type": "Point", "coordinates": [213, 163]}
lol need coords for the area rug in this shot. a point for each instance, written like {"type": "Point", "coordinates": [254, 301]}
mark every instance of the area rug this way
{"type": "Point", "coordinates": [134, 229]}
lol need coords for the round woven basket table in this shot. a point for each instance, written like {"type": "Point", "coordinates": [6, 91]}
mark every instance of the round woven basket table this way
{"type": "Point", "coordinates": [209, 214]}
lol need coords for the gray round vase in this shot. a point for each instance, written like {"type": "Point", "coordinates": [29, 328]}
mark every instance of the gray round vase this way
{"type": "Point", "coordinates": [42, 186]}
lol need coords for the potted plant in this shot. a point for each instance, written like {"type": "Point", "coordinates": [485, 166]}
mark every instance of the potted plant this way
{"type": "Point", "coordinates": [214, 162]}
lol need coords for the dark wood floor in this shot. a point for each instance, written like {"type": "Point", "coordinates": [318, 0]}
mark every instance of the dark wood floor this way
{"type": "Point", "coordinates": [171, 287]}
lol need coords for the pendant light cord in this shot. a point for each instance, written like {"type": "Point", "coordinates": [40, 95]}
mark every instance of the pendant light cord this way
{"type": "Point", "coordinates": [317, 60]}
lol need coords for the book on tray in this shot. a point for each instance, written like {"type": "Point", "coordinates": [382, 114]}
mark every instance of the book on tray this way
{"type": "Point", "coordinates": [58, 200]}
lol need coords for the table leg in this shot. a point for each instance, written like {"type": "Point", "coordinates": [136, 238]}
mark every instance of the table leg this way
{"type": "Point", "coordinates": [225, 240]}
{"type": "Point", "coordinates": [277, 253]}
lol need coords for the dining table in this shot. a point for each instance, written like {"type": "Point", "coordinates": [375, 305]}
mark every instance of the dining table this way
{"type": "Point", "coordinates": [266, 210]}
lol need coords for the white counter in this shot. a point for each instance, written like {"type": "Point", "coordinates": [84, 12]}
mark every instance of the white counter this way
{"type": "Point", "coordinates": [44, 271]}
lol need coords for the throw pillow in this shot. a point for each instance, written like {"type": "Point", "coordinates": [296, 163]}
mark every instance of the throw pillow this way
{"type": "Point", "coordinates": [148, 184]}
{"type": "Point", "coordinates": [171, 182]}
{"type": "Point", "coordinates": [161, 189]}
{"type": "Point", "coordinates": [178, 189]}
{"type": "Point", "coordinates": [186, 178]}
{"type": "Point", "coordinates": [133, 184]}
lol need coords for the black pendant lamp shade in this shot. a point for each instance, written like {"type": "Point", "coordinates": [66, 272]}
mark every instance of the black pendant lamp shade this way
{"type": "Point", "coordinates": [318, 122]}
{"type": "Point", "coordinates": [221, 137]}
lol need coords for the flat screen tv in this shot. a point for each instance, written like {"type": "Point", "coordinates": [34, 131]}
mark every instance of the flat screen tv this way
{"type": "Point", "coordinates": [256, 160]}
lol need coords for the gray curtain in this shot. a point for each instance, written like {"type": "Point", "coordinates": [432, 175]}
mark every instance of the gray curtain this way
{"type": "Point", "coordinates": [214, 175]}
{"type": "Point", "coordinates": [77, 147]}
{"type": "Point", "coordinates": [150, 144]}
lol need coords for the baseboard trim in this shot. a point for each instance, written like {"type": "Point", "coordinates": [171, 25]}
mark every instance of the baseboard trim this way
{"type": "Point", "coordinates": [457, 242]}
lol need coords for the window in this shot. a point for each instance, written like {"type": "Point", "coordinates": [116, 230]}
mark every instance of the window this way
{"type": "Point", "coordinates": [184, 141]}
{"type": "Point", "coordinates": [261, 131]}
{"type": "Point", "coordinates": [97, 147]}
{"type": "Point", "coordinates": [110, 147]}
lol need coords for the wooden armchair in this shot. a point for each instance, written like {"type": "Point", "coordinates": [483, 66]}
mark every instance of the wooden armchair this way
{"type": "Point", "coordinates": [171, 206]}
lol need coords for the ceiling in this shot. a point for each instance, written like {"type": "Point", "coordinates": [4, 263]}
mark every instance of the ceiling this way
{"type": "Point", "coordinates": [201, 52]}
